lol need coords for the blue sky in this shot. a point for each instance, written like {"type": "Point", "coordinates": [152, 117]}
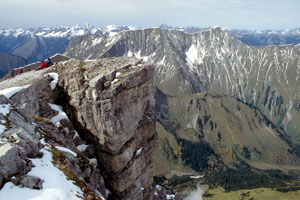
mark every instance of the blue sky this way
{"type": "Point", "coordinates": [241, 14]}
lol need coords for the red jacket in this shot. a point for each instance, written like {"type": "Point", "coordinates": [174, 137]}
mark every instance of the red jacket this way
{"type": "Point", "coordinates": [43, 65]}
{"type": "Point", "coordinates": [20, 71]}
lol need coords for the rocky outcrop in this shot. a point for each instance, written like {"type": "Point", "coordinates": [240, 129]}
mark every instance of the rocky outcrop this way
{"type": "Point", "coordinates": [13, 161]}
{"type": "Point", "coordinates": [109, 125]}
{"type": "Point", "coordinates": [110, 99]}
{"type": "Point", "coordinates": [20, 141]}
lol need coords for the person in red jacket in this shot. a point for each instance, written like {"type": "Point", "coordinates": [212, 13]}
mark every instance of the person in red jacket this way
{"type": "Point", "coordinates": [43, 65]}
{"type": "Point", "coordinates": [20, 71]}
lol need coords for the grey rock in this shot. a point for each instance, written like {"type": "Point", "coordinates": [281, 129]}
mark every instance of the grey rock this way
{"type": "Point", "coordinates": [31, 182]}
{"type": "Point", "coordinates": [13, 161]}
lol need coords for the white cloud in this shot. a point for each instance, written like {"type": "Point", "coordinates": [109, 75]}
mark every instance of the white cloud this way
{"type": "Point", "coordinates": [235, 13]}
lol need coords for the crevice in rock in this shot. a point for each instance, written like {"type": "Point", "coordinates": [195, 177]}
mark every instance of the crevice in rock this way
{"type": "Point", "coordinates": [63, 99]}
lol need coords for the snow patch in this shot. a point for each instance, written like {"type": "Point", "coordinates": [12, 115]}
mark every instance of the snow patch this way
{"type": "Point", "coordinates": [55, 80]}
{"type": "Point", "coordinates": [196, 177]}
{"type": "Point", "coordinates": [158, 187]}
{"type": "Point", "coordinates": [170, 196]}
{"type": "Point", "coordinates": [111, 27]}
{"type": "Point", "coordinates": [66, 150]}
{"type": "Point", "coordinates": [3, 140]}
{"type": "Point", "coordinates": [41, 33]}
{"type": "Point", "coordinates": [129, 54]}
{"type": "Point", "coordinates": [192, 54]}
{"type": "Point", "coordinates": [118, 74]}
{"type": "Point", "coordinates": [2, 129]}
{"type": "Point", "coordinates": [132, 28]}
{"type": "Point", "coordinates": [4, 109]}
{"type": "Point", "coordinates": [61, 115]}
{"type": "Point", "coordinates": [112, 40]}
{"type": "Point", "coordinates": [114, 81]}
{"type": "Point", "coordinates": [9, 92]}
{"type": "Point", "coordinates": [97, 41]}
{"type": "Point", "coordinates": [59, 34]}
{"type": "Point", "coordinates": [82, 147]}
{"type": "Point", "coordinates": [139, 151]}
{"type": "Point", "coordinates": [112, 34]}
{"type": "Point", "coordinates": [76, 135]}
{"type": "Point", "coordinates": [56, 185]}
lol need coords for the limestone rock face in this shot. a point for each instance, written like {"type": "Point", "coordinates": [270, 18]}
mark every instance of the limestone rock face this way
{"type": "Point", "coordinates": [111, 100]}
{"type": "Point", "coordinates": [107, 121]}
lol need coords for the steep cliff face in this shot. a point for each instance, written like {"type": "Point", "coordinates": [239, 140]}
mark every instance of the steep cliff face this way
{"type": "Point", "coordinates": [103, 142]}
{"type": "Point", "coordinates": [110, 100]}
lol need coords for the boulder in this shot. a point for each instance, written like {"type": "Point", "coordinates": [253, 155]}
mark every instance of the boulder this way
{"type": "Point", "coordinates": [13, 161]}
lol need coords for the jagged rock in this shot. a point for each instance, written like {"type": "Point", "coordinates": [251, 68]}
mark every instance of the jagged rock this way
{"type": "Point", "coordinates": [13, 161]}
{"type": "Point", "coordinates": [77, 168]}
{"type": "Point", "coordinates": [22, 140]}
{"type": "Point", "coordinates": [23, 133]}
{"type": "Point", "coordinates": [3, 101]}
{"type": "Point", "coordinates": [31, 182]}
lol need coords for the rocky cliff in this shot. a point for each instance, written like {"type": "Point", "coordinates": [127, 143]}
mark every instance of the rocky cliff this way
{"type": "Point", "coordinates": [92, 117]}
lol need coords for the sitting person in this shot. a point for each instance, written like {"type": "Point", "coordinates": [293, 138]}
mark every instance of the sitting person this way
{"type": "Point", "coordinates": [43, 65]}
{"type": "Point", "coordinates": [49, 62]}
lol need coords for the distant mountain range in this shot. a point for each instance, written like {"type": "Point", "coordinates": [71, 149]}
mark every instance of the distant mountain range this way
{"type": "Point", "coordinates": [252, 37]}
{"type": "Point", "coordinates": [36, 44]}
